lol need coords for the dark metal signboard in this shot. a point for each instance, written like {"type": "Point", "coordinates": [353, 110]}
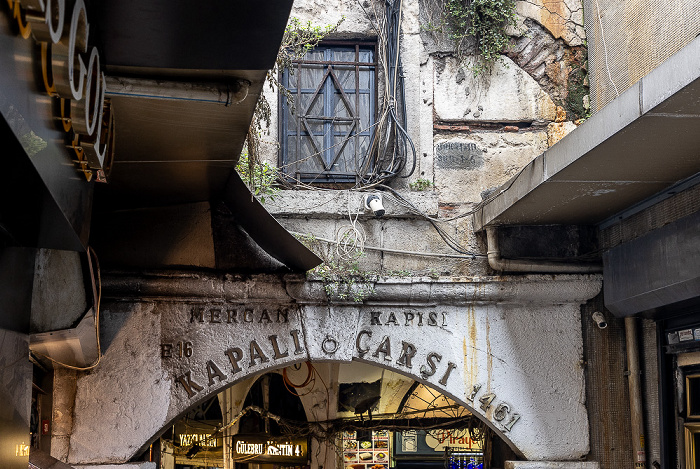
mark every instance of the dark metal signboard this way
{"type": "Point", "coordinates": [269, 449]}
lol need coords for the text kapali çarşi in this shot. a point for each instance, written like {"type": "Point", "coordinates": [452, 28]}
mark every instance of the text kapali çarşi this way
{"type": "Point", "coordinates": [274, 347]}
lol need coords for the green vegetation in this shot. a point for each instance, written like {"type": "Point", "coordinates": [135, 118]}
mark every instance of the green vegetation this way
{"type": "Point", "coordinates": [260, 178]}
{"type": "Point", "coordinates": [420, 185]}
{"type": "Point", "coordinates": [577, 89]}
{"type": "Point", "coordinates": [340, 272]}
{"type": "Point", "coordinates": [482, 23]}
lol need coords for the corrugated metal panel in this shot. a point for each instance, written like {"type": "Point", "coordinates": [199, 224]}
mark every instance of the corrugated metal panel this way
{"type": "Point", "coordinates": [683, 204]}
{"type": "Point", "coordinates": [626, 40]}
{"type": "Point", "coordinates": [607, 395]}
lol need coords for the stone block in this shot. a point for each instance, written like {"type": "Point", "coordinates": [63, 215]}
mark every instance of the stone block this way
{"type": "Point", "coordinates": [558, 130]}
{"type": "Point", "coordinates": [562, 18]}
{"type": "Point", "coordinates": [467, 165]}
{"type": "Point", "coordinates": [508, 94]}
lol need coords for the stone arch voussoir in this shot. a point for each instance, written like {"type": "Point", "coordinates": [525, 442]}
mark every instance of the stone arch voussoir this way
{"type": "Point", "coordinates": [509, 351]}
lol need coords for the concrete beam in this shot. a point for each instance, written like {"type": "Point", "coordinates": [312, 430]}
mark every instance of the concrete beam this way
{"type": "Point", "coordinates": [612, 160]}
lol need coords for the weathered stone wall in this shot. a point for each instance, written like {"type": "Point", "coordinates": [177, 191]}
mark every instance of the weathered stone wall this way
{"type": "Point", "coordinates": [472, 132]}
{"type": "Point", "coordinates": [509, 349]}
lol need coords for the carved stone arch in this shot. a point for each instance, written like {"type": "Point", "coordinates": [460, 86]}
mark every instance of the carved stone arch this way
{"type": "Point", "coordinates": [510, 351]}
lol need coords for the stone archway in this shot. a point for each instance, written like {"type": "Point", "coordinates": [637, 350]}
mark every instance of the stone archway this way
{"type": "Point", "coordinates": [509, 351]}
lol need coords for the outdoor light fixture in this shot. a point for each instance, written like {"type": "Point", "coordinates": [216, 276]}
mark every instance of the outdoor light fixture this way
{"type": "Point", "coordinates": [374, 202]}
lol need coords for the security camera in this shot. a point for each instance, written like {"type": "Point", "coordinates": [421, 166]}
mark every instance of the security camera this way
{"type": "Point", "coordinates": [600, 320]}
{"type": "Point", "coordinates": [373, 202]}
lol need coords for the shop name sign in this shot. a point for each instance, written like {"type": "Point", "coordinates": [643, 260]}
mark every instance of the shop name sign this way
{"type": "Point", "coordinates": [202, 439]}
{"type": "Point", "coordinates": [71, 71]}
{"type": "Point", "coordinates": [262, 449]}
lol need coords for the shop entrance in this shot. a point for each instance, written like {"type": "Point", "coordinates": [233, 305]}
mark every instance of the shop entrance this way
{"type": "Point", "coordinates": [331, 415]}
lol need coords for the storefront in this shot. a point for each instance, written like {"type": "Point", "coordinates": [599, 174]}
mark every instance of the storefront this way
{"type": "Point", "coordinates": [381, 420]}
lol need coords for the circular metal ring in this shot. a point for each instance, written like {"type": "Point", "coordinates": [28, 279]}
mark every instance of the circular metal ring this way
{"type": "Point", "coordinates": [329, 345]}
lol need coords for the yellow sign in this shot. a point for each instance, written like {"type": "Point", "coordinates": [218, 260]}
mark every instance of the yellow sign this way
{"type": "Point", "coordinates": [202, 439]}
{"type": "Point", "coordinates": [458, 439]}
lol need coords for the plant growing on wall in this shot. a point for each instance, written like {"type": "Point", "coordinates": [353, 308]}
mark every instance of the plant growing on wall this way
{"type": "Point", "coordinates": [420, 185]}
{"type": "Point", "coordinates": [297, 40]}
{"type": "Point", "coordinates": [478, 25]}
{"type": "Point", "coordinates": [340, 271]}
{"type": "Point", "coordinates": [261, 181]}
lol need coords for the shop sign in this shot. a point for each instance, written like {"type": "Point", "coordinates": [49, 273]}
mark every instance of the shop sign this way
{"type": "Point", "coordinates": [71, 72]}
{"type": "Point", "coordinates": [434, 442]}
{"type": "Point", "coordinates": [260, 448]}
{"type": "Point", "coordinates": [202, 439]}
{"type": "Point", "coordinates": [369, 451]}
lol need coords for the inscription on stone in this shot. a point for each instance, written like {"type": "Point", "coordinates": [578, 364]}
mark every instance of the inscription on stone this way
{"type": "Point", "coordinates": [279, 343]}
{"type": "Point", "coordinates": [458, 155]}
{"type": "Point", "coordinates": [233, 315]}
{"type": "Point", "coordinates": [408, 318]}
{"type": "Point", "coordinates": [502, 414]}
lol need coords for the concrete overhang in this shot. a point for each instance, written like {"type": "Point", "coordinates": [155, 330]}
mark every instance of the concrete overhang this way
{"type": "Point", "coordinates": [644, 141]}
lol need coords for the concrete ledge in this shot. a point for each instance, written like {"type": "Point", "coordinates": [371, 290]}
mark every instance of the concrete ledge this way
{"type": "Point", "coordinates": [551, 465]}
{"type": "Point", "coordinates": [338, 204]}
{"type": "Point", "coordinates": [611, 161]}
{"type": "Point", "coordinates": [186, 287]}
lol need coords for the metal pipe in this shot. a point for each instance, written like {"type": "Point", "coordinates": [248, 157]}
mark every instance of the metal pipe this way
{"type": "Point", "coordinates": [635, 392]}
{"type": "Point", "coordinates": [520, 265]}
{"type": "Point", "coordinates": [225, 94]}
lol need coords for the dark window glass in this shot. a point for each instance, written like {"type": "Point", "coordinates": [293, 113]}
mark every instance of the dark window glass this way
{"type": "Point", "coordinates": [328, 136]}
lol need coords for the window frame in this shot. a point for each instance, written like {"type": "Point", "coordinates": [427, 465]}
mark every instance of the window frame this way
{"type": "Point", "coordinates": [328, 175]}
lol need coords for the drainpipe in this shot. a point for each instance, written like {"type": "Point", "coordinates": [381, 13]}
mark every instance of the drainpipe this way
{"type": "Point", "coordinates": [226, 94]}
{"type": "Point", "coordinates": [533, 266]}
{"type": "Point", "coordinates": [635, 391]}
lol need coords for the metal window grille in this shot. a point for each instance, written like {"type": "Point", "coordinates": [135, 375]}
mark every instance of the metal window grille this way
{"type": "Point", "coordinates": [328, 137]}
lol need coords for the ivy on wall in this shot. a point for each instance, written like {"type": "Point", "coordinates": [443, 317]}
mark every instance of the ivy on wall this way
{"type": "Point", "coordinates": [475, 27]}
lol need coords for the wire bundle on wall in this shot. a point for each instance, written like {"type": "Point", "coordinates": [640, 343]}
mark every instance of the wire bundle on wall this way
{"type": "Point", "coordinates": [391, 149]}
{"type": "Point", "coordinates": [389, 153]}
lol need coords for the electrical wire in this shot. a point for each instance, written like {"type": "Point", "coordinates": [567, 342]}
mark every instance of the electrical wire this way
{"type": "Point", "coordinates": [400, 251]}
{"type": "Point", "coordinates": [393, 151]}
{"type": "Point", "coordinates": [390, 146]}
{"type": "Point", "coordinates": [453, 243]}
{"type": "Point", "coordinates": [97, 297]}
